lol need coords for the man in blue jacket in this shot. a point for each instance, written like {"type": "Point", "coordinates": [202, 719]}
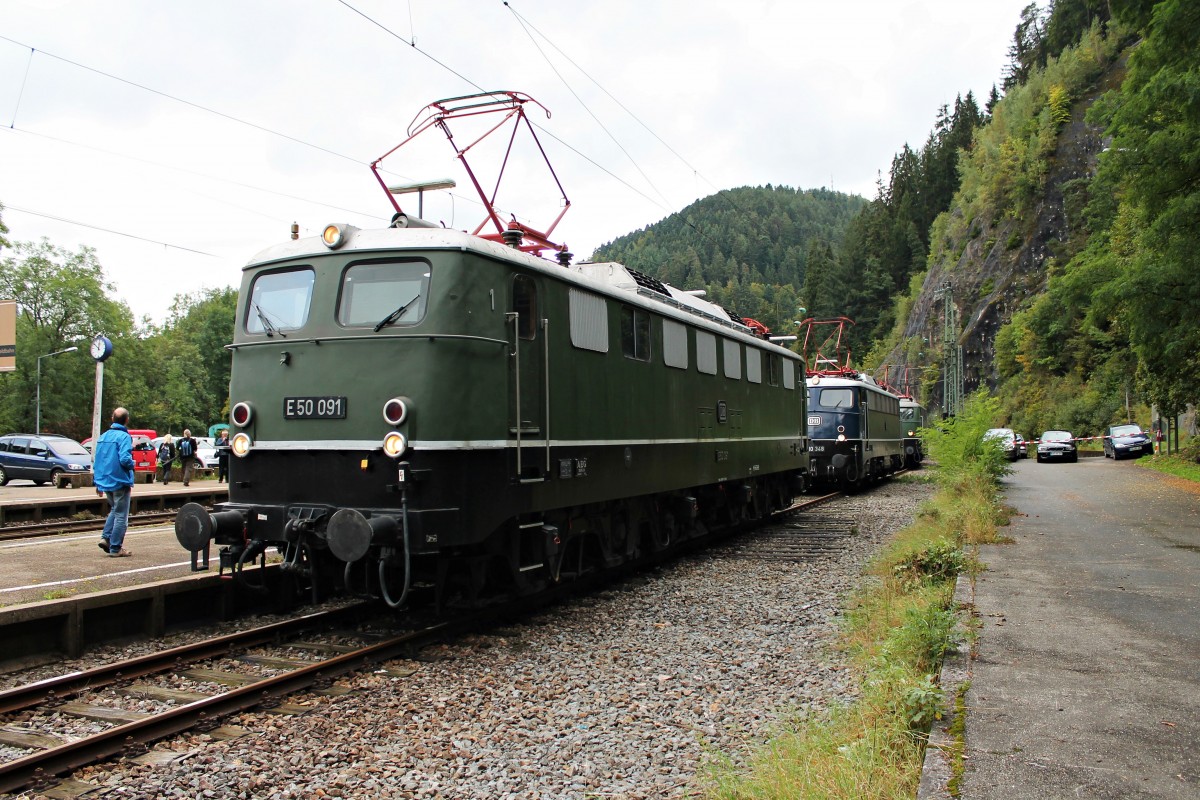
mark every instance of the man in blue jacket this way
{"type": "Point", "coordinates": [112, 471]}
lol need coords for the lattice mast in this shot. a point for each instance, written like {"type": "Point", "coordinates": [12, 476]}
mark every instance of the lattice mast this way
{"type": "Point", "coordinates": [952, 357]}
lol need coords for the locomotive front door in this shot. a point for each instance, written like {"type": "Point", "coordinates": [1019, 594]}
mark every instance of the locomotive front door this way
{"type": "Point", "coordinates": [529, 423]}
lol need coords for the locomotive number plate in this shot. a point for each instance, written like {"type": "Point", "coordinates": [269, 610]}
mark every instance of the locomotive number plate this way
{"type": "Point", "coordinates": [314, 408]}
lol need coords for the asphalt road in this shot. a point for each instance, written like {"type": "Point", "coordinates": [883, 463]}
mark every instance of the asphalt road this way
{"type": "Point", "coordinates": [1086, 681]}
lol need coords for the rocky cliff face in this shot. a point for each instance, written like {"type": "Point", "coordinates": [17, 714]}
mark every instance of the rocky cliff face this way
{"type": "Point", "coordinates": [1004, 262]}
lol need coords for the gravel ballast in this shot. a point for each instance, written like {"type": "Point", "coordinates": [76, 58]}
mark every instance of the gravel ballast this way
{"type": "Point", "coordinates": [627, 693]}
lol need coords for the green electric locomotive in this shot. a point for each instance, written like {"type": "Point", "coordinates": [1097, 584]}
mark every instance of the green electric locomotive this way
{"type": "Point", "coordinates": [422, 405]}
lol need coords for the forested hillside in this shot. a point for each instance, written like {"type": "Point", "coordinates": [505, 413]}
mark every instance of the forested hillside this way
{"type": "Point", "coordinates": [1072, 241]}
{"type": "Point", "coordinates": [1063, 217]}
{"type": "Point", "coordinates": [751, 248]}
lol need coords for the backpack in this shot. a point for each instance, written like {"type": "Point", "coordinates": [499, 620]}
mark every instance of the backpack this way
{"type": "Point", "coordinates": [185, 448]}
{"type": "Point", "coordinates": [165, 452]}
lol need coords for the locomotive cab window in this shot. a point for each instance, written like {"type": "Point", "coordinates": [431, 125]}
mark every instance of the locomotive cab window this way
{"type": "Point", "coordinates": [383, 292]}
{"type": "Point", "coordinates": [279, 301]}
{"type": "Point", "coordinates": [525, 305]}
{"type": "Point", "coordinates": [833, 398]}
{"type": "Point", "coordinates": [635, 333]}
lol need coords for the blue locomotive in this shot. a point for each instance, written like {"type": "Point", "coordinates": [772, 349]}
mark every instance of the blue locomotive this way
{"type": "Point", "coordinates": [854, 429]}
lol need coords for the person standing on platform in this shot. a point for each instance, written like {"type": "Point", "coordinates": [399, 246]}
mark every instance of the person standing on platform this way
{"type": "Point", "coordinates": [222, 449]}
{"type": "Point", "coordinates": [112, 470]}
{"type": "Point", "coordinates": [166, 458]}
{"type": "Point", "coordinates": [187, 455]}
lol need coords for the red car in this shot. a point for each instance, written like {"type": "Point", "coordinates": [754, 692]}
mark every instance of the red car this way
{"type": "Point", "coordinates": [145, 457]}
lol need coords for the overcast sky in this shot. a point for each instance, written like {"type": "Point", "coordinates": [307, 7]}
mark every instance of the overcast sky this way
{"type": "Point", "coordinates": [208, 128]}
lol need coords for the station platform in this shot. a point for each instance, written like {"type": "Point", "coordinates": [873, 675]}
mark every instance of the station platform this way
{"type": "Point", "coordinates": [44, 568]}
{"type": "Point", "coordinates": [22, 501]}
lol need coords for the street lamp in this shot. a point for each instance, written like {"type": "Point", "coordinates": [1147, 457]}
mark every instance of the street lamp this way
{"type": "Point", "coordinates": [37, 427]}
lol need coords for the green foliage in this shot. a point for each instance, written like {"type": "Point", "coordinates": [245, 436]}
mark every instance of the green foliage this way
{"type": "Point", "coordinates": [921, 703]}
{"type": "Point", "coordinates": [941, 559]}
{"type": "Point", "coordinates": [957, 447]}
{"type": "Point", "coordinates": [1059, 103]}
{"type": "Point", "coordinates": [62, 301]}
{"type": "Point", "coordinates": [169, 378]}
{"type": "Point", "coordinates": [750, 248]}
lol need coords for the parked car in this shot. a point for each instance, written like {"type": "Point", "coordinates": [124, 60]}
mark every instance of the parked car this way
{"type": "Point", "coordinates": [40, 457]}
{"type": "Point", "coordinates": [206, 451]}
{"type": "Point", "coordinates": [1008, 441]}
{"type": "Point", "coordinates": [1127, 440]}
{"type": "Point", "coordinates": [145, 455]}
{"type": "Point", "coordinates": [1022, 447]}
{"type": "Point", "coordinates": [1057, 446]}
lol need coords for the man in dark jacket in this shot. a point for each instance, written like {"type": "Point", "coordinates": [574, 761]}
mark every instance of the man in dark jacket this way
{"type": "Point", "coordinates": [222, 449]}
{"type": "Point", "coordinates": [112, 471]}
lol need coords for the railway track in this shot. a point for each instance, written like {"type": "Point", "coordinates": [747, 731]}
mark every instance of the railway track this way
{"type": "Point", "coordinates": [199, 684]}
{"type": "Point", "coordinates": [29, 530]}
{"type": "Point", "coordinates": [223, 676]}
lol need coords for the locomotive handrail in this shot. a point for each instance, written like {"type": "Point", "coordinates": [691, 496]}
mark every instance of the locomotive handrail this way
{"type": "Point", "coordinates": [321, 339]}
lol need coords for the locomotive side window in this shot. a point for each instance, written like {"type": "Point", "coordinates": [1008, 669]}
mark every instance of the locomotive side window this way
{"type": "Point", "coordinates": [279, 301]}
{"type": "Point", "coordinates": [754, 365]}
{"type": "Point", "coordinates": [380, 293]}
{"type": "Point", "coordinates": [675, 350]}
{"type": "Point", "coordinates": [706, 353]}
{"type": "Point", "coordinates": [525, 304]}
{"type": "Point", "coordinates": [733, 359]}
{"type": "Point", "coordinates": [789, 375]}
{"type": "Point", "coordinates": [589, 321]}
{"type": "Point", "coordinates": [635, 333]}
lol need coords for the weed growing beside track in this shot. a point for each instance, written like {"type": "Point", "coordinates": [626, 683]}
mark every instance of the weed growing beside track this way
{"type": "Point", "coordinates": [898, 627]}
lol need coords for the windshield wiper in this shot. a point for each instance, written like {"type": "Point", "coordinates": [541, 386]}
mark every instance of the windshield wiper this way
{"type": "Point", "coordinates": [266, 323]}
{"type": "Point", "coordinates": [395, 315]}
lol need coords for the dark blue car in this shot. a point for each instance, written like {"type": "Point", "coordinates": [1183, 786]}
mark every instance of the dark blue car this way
{"type": "Point", "coordinates": [1127, 440]}
{"type": "Point", "coordinates": [40, 457]}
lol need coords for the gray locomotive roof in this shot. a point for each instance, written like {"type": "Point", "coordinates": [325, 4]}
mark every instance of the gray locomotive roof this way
{"type": "Point", "coordinates": [608, 278]}
{"type": "Point", "coordinates": [836, 381]}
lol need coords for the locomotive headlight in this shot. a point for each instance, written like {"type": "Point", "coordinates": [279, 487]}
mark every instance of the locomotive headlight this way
{"type": "Point", "coordinates": [394, 444]}
{"type": "Point", "coordinates": [841, 437]}
{"type": "Point", "coordinates": [395, 411]}
{"type": "Point", "coordinates": [241, 414]}
{"type": "Point", "coordinates": [240, 444]}
{"type": "Point", "coordinates": [333, 236]}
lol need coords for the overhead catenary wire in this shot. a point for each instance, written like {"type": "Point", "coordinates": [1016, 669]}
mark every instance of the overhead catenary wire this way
{"type": "Point", "coordinates": [107, 230]}
{"type": "Point", "coordinates": [723, 196]}
{"type": "Point", "coordinates": [196, 173]}
{"type": "Point", "coordinates": [297, 140]}
{"type": "Point", "coordinates": [603, 127]}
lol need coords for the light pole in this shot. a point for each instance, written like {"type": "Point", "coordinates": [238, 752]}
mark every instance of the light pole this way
{"type": "Point", "coordinates": [37, 426]}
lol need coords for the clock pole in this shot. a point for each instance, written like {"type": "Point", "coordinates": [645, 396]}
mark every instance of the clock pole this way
{"type": "Point", "coordinates": [101, 349]}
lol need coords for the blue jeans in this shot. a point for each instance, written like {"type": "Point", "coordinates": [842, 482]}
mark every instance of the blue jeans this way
{"type": "Point", "coordinates": [118, 518]}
